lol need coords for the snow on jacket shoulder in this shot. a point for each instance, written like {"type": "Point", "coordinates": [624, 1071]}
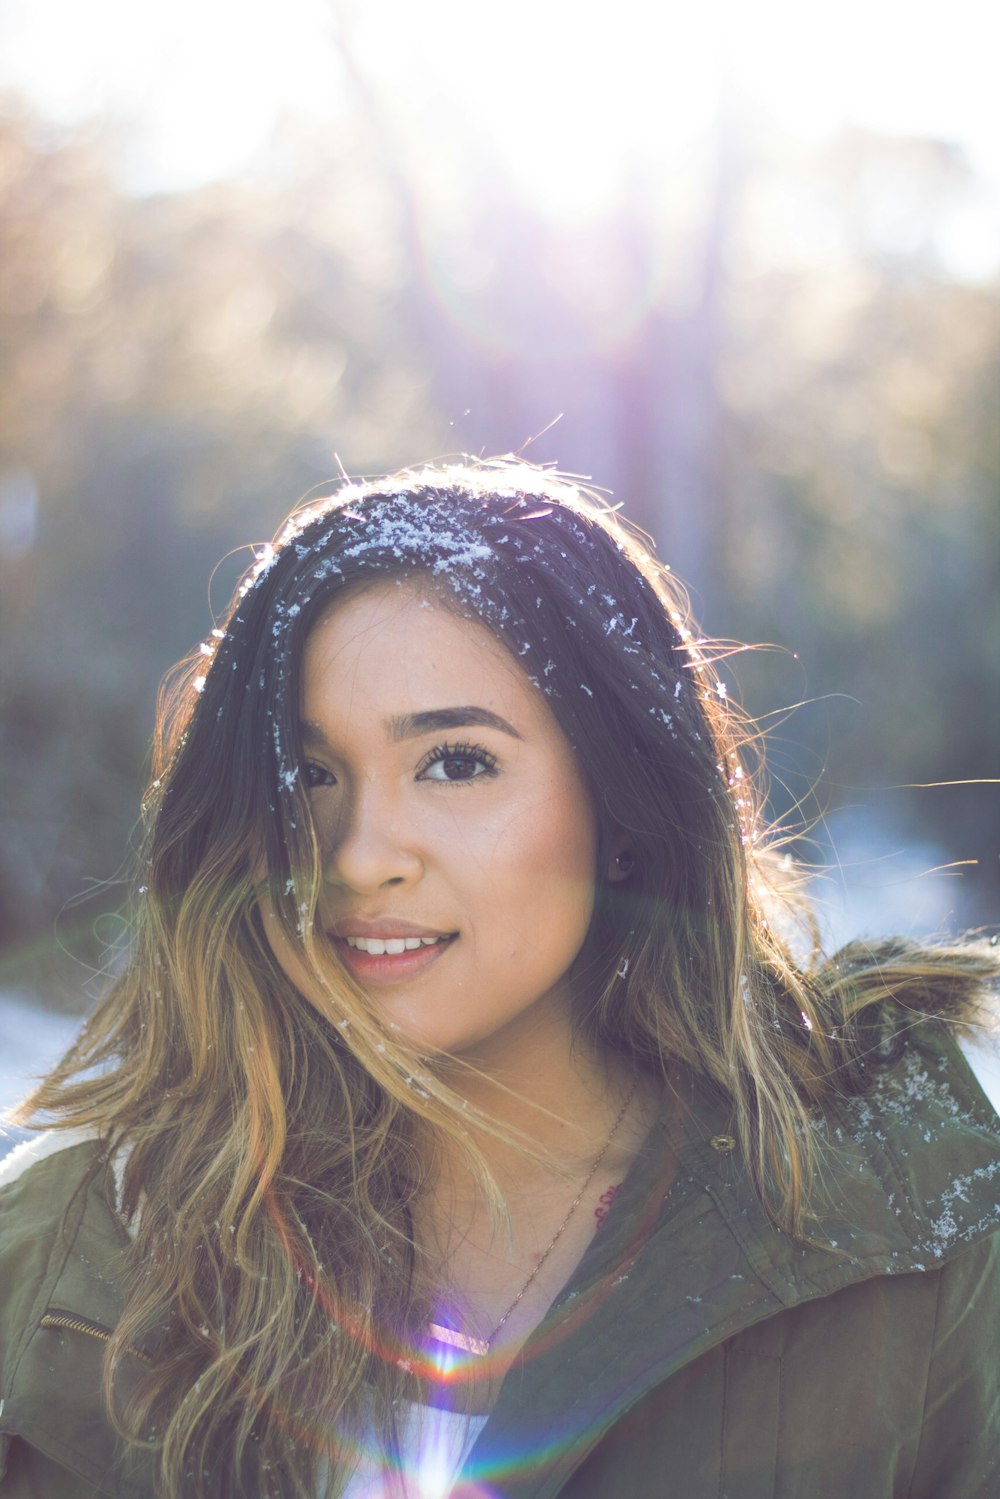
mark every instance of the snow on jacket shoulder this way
{"type": "Point", "coordinates": [716, 1358]}
{"type": "Point", "coordinates": [696, 1351]}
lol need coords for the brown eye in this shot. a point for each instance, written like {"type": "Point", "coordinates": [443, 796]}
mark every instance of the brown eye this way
{"type": "Point", "coordinates": [456, 768]}
{"type": "Point", "coordinates": [314, 775]}
{"type": "Point", "coordinates": [458, 763]}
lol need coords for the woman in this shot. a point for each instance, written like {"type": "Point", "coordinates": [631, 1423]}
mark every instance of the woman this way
{"type": "Point", "coordinates": [462, 1123]}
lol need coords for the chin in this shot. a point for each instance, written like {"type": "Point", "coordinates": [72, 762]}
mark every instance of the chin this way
{"type": "Point", "coordinates": [436, 1043]}
{"type": "Point", "coordinates": [436, 1048]}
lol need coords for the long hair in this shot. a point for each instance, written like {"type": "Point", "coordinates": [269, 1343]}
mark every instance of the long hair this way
{"type": "Point", "coordinates": [271, 1159]}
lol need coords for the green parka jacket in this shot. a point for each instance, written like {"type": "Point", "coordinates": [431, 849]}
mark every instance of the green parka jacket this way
{"type": "Point", "coordinates": [696, 1353]}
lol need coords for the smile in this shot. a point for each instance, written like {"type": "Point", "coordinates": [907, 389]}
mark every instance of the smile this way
{"type": "Point", "coordinates": [392, 960]}
{"type": "Point", "coordinates": [380, 945]}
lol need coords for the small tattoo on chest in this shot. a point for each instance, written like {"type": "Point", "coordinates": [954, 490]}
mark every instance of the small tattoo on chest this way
{"type": "Point", "coordinates": [604, 1202]}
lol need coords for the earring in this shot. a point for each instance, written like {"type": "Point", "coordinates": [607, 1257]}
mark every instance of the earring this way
{"type": "Point", "coordinates": [625, 863]}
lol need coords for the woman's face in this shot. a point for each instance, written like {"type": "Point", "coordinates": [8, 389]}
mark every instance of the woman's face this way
{"type": "Point", "coordinates": [458, 837]}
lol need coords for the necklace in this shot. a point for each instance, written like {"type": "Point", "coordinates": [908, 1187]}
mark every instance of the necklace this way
{"type": "Point", "coordinates": [482, 1346]}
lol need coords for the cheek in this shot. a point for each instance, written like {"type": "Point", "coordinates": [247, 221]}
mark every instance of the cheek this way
{"type": "Point", "coordinates": [549, 858]}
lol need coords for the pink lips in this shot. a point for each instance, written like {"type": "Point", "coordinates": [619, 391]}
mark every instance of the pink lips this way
{"type": "Point", "coordinates": [384, 927]}
{"type": "Point", "coordinates": [388, 968]}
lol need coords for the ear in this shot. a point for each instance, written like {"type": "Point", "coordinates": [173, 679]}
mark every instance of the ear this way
{"type": "Point", "coordinates": [621, 859]}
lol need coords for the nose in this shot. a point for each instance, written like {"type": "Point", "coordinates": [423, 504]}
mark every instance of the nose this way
{"type": "Point", "coordinates": [368, 849]}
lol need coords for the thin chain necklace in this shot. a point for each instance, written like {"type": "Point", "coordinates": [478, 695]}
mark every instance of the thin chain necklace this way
{"type": "Point", "coordinates": [482, 1346]}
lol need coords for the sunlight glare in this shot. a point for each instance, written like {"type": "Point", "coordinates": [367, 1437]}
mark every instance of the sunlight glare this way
{"type": "Point", "coordinates": [563, 100]}
{"type": "Point", "coordinates": [567, 102]}
{"type": "Point", "coordinates": [197, 86]}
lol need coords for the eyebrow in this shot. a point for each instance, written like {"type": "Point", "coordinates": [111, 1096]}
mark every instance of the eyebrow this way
{"type": "Point", "coordinates": [432, 721]}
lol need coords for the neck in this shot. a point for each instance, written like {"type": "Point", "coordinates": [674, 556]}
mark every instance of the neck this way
{"type": "Point", "coordinates": [583, 1116]}
{"type": "Point", "coordinates": [554, 1091]}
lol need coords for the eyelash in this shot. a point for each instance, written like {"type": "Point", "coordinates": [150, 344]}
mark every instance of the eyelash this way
{"type": "Point", "coordinates": [313, 773]}
{"type": "Point", "coordinates": [462, 751]}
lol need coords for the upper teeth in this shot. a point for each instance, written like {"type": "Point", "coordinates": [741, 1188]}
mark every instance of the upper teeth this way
{"type": "Point", "coordinates": [379, 945]}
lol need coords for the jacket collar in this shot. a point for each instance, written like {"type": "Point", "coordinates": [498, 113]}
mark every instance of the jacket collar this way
{"type": "Point", "coordinates": [688, 1257]}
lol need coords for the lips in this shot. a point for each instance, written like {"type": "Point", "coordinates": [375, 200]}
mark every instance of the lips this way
{"type": "Point", "coordinates": [384, 952]}
{"type": "Point", "coordinates": [385, 927]}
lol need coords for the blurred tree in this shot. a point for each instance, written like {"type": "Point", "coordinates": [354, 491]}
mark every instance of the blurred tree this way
{"type": "Point", "coordinates": [174, 372]}
{"type": "Point", "coordinates": [861, 469]}
{"type": "Point", "coordinates": [780, 371]}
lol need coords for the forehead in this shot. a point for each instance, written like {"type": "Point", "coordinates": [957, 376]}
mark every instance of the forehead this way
{"type": "Point", "coordinates": [398, 646]}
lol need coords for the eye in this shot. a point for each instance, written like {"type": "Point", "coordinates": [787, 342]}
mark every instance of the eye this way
{"type": "Point", "coordinates": [314, 775]}
{"type": "Point", "coordinates": [457, 762]}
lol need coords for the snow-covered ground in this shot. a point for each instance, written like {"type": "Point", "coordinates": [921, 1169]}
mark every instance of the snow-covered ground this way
{"type": "Point", "coordinates": [31, 1039]}
{"type": "Point", "coordinates": [878, 881]}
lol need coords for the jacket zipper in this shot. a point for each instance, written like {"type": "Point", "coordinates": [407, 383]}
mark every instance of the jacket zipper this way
{"type": "Point", "coordinates": [72, 1323]}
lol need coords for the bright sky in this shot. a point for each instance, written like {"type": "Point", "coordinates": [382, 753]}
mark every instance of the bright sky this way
{"type": "Point", "coordinates": [565, 89]}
